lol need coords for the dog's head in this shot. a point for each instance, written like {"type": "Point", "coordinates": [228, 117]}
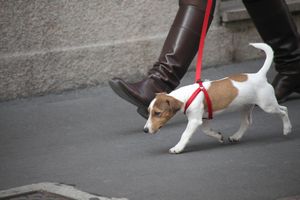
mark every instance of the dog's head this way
{"type": "Point", "coordinates": [162, 108]}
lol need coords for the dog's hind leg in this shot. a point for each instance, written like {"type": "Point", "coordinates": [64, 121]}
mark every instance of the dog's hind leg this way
{"type": "Point", "coordinates": [186, 135]}
{"type": "Point", "coordinates": [205, 127]}
{"type": "Point", "coordinates": [246, 120]}
{"type": "Point", "coordinates": [287, 127]}
{"type": "Point", "coordinates": [283, 113]}
{"type": "Point", "coordinates": [269, 104]}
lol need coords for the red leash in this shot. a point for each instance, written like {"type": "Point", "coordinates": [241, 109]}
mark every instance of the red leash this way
{"type": "Point", "coordinates": [202, 40]}
{"type": "Point", "coordinates": [199, 65]}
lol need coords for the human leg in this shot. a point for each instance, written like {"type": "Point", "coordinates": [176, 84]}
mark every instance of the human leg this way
{"type": "Point", "coordinates": [277, 28]}
{"type": "Point", "coordinates": [177, 53]}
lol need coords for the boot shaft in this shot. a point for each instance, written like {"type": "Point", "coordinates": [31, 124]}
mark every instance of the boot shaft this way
{"type": "Point", "coordinates": [276, 27]}
{"type": "Point", "coordinates": [182, 42]}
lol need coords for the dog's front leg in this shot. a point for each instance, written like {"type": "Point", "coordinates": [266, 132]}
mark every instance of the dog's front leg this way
{"type": "Point", "coordinates": [208, 131]}
{"type": "Point", "coordinates": [186, 136]}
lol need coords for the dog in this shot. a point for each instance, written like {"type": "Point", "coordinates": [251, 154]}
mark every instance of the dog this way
{"type": "Point", "coordinates": [239, 92]}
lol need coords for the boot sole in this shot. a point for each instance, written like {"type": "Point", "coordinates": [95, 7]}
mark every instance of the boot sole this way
{"type": "Point", "coordinates": [121, 92]}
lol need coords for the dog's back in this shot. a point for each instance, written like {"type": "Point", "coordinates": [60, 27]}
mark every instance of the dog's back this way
{"type": "Point", "coordinates": [233, 92]}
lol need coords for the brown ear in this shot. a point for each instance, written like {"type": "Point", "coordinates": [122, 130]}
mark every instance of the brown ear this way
{"type": "Point", "coordinates": [160, 93]}
{"type": "Point", "coordinates": [174, 104]}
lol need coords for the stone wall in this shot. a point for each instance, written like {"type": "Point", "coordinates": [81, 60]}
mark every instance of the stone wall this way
{"type": "Point", "coordinates": [52, 46]}
{"type": "Point", "coordinates": [49, 46]}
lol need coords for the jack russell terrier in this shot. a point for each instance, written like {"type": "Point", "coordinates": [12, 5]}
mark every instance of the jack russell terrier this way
{"type": "Point", "coordinates": [238, 92]}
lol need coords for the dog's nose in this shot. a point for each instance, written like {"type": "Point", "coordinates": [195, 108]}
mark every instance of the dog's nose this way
{"type": "Point", "coordinates": [146, 130]}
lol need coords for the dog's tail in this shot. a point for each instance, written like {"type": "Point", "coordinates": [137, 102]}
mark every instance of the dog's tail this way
{"type": "Point", "coordinates": [269, 57]}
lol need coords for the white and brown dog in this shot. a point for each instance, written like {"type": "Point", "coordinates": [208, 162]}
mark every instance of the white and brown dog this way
{"type": "Point", "coordinates": [238, 92]}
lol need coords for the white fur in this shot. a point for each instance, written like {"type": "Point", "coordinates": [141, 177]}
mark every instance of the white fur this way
{"type": "Point", "coordinates": [255, 91]}
{"type": "Point", "coordinates": [149, 122]}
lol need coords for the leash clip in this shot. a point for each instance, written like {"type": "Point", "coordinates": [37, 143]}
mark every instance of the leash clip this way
{"type": "Point", "coordinates": [199, 81]}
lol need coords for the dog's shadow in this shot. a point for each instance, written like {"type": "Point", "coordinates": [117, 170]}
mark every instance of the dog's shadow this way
{"type": "Point", "coordinates": [214, 145]}
{"type": "Point", "coordinates": [133, 130]}
{"type": "Point", "coordinates": [251, 141]}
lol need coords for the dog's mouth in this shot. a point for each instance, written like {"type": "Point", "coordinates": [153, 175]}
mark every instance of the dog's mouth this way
{"type": "Point", "coordinates": [152, 131]}
{"type": "Point", "coordinates": [156, 131]}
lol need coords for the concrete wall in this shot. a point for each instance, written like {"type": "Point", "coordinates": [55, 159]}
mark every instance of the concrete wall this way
{"type": "Point", "coordinates": [55, 45]}
{"type": "Point", "coordinates": [49, 46]}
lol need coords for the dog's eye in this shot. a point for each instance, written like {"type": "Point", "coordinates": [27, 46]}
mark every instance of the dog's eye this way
{"type": "Point", "coordinates": [157, 114]}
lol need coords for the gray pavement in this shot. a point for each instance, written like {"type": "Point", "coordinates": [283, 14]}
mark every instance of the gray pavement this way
{"type": "Point", "coordinates": [94, 140]}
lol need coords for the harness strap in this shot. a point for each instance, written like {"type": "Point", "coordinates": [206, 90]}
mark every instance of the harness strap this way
{"type": "Point", "coordinates": [191, 99]}
{"type": "Point", "coordinates": [207, 99]}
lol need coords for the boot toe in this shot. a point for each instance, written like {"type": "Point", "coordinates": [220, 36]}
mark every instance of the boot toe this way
{"type": "Point", "coordinates": [123, 89]}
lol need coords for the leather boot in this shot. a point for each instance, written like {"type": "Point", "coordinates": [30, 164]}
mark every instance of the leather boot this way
{"type": "Point", "coordinates": [277, 28]}
{"type": "Point", "coordinates": [178, 51]}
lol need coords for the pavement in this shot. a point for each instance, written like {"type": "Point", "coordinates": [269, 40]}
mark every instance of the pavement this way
{"type": "Point", "coordinates": [94, 140]}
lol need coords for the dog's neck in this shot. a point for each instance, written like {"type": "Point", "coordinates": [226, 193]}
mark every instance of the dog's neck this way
{"type": "Point", "coordinates": [184, 93]}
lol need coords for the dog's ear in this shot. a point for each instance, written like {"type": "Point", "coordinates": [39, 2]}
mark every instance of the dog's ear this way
{"type": "Point", "coordinates": [160, 93]}
{"type": "Point", "coordinates": [174, 104]}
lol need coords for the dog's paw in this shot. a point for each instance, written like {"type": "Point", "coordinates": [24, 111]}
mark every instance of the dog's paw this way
{"type": "Point", "coordinates": [221, 140]}
{"type": "Point", "coordinates": [287, 130]}
{"type": "Point", "coordinates": [175, 150]}
{"type": "Point", "coordinates": [233, 140]}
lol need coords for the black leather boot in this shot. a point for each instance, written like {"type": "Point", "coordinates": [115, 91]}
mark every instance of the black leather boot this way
{"type": "Point", "coordinates": [179, 49]}
{"type": "Point", "coordinates": [277, 28]}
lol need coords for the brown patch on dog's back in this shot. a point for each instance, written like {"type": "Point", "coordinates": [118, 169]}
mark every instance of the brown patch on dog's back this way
{"type": "Point", "coordinates": [222, 92]}
{"type": "Point", "coordinates": [239, 77]}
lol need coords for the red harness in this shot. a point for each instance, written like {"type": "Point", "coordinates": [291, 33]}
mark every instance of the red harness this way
{"type": "Point", "coordinates": [199, 66]}
{"type": "Point", "coordinates": [207, 99]}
